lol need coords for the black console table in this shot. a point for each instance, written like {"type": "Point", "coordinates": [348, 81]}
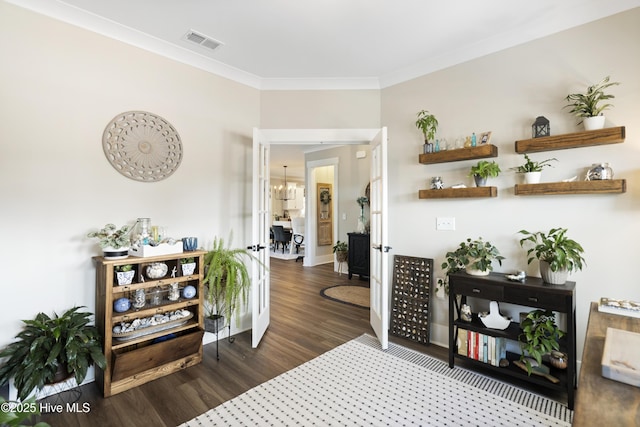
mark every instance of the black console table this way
{"type": "Point", "coordinates": [533, 293]}
{"type": "Point", "coordinates": [359, 249]}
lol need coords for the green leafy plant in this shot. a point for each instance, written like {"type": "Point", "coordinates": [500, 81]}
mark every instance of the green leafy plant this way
{"type": "Point", "coordinates": [531, 166]}
{"type": "Point", "coordinates": [16, 412]}
{"type": "Point", "coordinates": [187, 260]}
{"type": "Point", "coordinates": [110, 235]}
{"type": "Point", "coordinates": [340, 247]}
{"type": "Point", "coordinates": [47, 344]}
{"type": "Point", "coordinates": [428, 125]}
{"type": "Point", "coordinates": [555, 248]}
{"type": "Point", "coordinates": [589, 104]}
{"type": "Point", "coordinates": [539, 336]}
{"type": "Point", "coordinates": [485, 169]}
{"type": "Point", "coordinates": [476, 254]}
{"type": "Point", "coordinates": [123, 268]}
{"type": "Point", "coordinates": [227, 279]}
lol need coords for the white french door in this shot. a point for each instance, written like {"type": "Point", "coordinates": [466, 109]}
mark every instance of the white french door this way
{"type": "Point", "coordinates": [379, 274]}
{"type": "Point", "coordinates": [260, 278]}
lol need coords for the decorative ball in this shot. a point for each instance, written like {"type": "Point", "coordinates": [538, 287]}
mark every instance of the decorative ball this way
{"type": "Point", "coordinates": [121, 305]}
{"type": "Point", "coordinates": [189, 291]}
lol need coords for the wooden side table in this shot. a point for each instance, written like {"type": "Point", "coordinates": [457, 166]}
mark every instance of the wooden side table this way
{"type": "Point", "coordinates": [599, 400]}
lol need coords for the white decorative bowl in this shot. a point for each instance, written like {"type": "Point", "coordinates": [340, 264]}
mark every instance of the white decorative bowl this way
{"type": "Point", "coordinates": [157, 270]}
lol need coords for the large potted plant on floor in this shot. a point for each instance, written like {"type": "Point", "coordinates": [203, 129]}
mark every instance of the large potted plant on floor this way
{"type": "Point", "coordinates": [228, 282]}
{"type": "Point", "coordinates": [473, 256]}
{"type": "Point", "coordinates": [558, 254]}
{"type": "Point", "coordinates": [588, 105]}
{"type": "Point", "coordinates": [50, 350]}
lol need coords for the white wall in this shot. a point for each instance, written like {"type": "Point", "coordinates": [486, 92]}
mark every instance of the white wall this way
{"type": "Point", "coordinates": [504, 93]}
{"type": "Point", "coordinates": [59, 87]}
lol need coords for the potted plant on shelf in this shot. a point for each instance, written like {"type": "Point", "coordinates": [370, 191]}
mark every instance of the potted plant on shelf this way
{"type": "Point", "coordinates": [50, 350]}
{"type": "Point", "coordinates": [188, 265]}
{"type": "Point", "coordinates": [558, 255]}
{"type": "Point", "coordinates": [114, 241]}
{"type": "Point", "coordinates": [124, 274]}
{"type": "Point", "coordinates": [588, 105]}
{"type": "Point", "coordinates": [483, 170]}
{"type": "Point", "coordinates": [227, 280]}
{"type": "Point", "coordinates": [428, 125]}
{"type": "Point", "coordinates": [473, 256]}
{"type": "Point", "coordinates": [540, 336]}
{"type": "Point", "coordinates": [531, 170]}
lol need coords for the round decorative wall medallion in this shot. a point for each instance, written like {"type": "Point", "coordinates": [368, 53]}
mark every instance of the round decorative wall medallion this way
{"type": "Point", "coordinates": [142, 146]}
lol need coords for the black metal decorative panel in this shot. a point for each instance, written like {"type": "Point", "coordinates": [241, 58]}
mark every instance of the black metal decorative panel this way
{"type": "Point", "coordinates": [412, 281]}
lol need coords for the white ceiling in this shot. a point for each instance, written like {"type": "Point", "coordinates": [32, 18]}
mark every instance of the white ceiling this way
{"type": "Point", "coordinates": [326, 44]}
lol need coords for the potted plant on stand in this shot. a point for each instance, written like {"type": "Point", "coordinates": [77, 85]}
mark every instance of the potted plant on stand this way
{"type": "Point", "coordinates": [341, 249]}
{"type": "Point", "coordinates": [483, 170]}
{"type": "Point", "coordinates": [587, 105]}
{"type": "Point", "coordinates": [228, 282]}
{"type": "Point", "coordinates": [531, 170]}
{"type": "Point", "coordinates": [113, 241]}
{"type": "Point", "coordinates": [540, 336]}
{"type": "Point", "coordinates": [558, 255]}
{"type": "Point", "coordinates": [50, 350]}
{"type": "Point", "coordinates": [473, 256]}
{"type": "Point", "coordinates": [428, 125]}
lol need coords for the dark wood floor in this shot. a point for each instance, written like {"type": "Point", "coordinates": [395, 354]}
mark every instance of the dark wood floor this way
{"type": "Point", "coordinates": [303, 326]}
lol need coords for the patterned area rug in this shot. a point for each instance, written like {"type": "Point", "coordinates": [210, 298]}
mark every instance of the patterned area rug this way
{"type": "Point", "coordinates": [346, 294]}
{"type": "Point", "coordinates": [358, 384]}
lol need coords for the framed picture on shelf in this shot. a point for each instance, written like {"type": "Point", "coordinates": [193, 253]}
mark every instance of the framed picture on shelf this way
{"type": "Point", "coordinates": [485, 137]}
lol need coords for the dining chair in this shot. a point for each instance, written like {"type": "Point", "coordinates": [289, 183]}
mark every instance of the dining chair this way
{"type": "Point", "coordinates": [281, 236]}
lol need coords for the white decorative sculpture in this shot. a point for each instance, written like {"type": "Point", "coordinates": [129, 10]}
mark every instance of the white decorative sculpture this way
{"type": "Point", "coordinates": [494, 320]}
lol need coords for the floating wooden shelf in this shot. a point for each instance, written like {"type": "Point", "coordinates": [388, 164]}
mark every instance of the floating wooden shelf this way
{"type": "Point", "coordinates": [571, 140]}
{"type": "Point", "coordinates": [478, 152]}
{"type": "Point", "coordinates": [455, 193]}
{"type": "Point", "coordinates": [576, 187]}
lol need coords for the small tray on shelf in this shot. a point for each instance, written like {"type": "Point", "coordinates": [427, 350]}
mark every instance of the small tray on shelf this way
{"type": "Point", "coordinates": [124, 336]}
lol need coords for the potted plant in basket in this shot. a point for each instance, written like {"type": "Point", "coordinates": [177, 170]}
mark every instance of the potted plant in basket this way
{"type": "Point", "coordinates": [50, 350]}
{"type": "Point", "coordinates": [227, 280]}
{"type": "Point", "coordinates": [558, 255]}
{"type": "Point", "coordinates": [540, 336]}
{"type": "Point", "coordinates": [114, 241]}
{"type": "Point", "coordinates": [124, 274]}
{"type": "Point", "coordinates": [532, 170]}
{"type": "Point", "coordinates": [588, 105]}
{"type": "Point", "coordinates": [341, 249]}
{"type": "Point", "coordinates": [188, 265]}
{"type": "Point", "coordinates": [483, 170]}
{"type": "Point", "coordinates": [473, 256]}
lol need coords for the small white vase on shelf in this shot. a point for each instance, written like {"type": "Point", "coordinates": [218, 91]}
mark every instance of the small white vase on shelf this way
{"type": "Point", "coordinates": [593, 123]}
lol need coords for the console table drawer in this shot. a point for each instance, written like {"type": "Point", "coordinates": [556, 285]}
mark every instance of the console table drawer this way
{"type": "Point", "coordinates": [479, 290]}
{"type": "Point", "coordinates": [534, 298]}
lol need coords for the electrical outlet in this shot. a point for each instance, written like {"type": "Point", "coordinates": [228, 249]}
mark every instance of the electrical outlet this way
{"type": "Point", "coordinates": [445, 223]}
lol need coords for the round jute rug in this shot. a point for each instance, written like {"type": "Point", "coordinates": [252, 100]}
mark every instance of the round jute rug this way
{"type": "Point", "coordinates": [346, 294]}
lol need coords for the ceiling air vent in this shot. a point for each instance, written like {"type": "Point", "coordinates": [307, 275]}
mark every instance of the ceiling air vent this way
{"type": "Point", "coordinates": [202, 40]}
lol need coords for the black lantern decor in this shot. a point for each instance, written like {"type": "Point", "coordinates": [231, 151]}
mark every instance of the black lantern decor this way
{"type": "Point", "coordinates": [540, 127]}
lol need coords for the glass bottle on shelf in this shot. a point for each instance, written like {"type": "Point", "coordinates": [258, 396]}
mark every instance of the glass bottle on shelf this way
{"type": "Point", "coordinates": [140, 298]}
{"type": "Point", "coordinates": [156, 296]}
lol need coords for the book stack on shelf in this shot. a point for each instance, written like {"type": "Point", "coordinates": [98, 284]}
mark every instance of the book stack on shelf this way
{"type": "Point", "coordinates": [480, 347]}
{"type": "Point", "coordinates": [621, 307]}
